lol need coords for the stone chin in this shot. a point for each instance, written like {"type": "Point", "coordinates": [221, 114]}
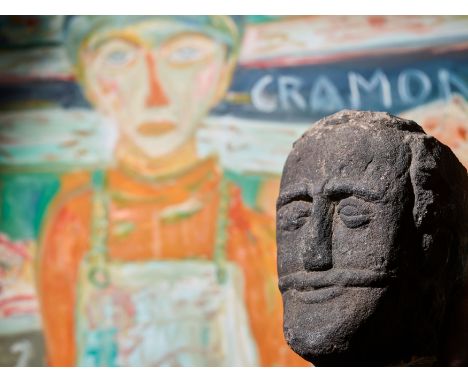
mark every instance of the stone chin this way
{"type": "Point", "coordinates": [327, 331]}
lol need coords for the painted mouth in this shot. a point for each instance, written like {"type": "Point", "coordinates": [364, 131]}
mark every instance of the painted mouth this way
{"type": "Point", "coordinates": [149, 129]}
{"type": "Point", "coordinates": [312, 287]}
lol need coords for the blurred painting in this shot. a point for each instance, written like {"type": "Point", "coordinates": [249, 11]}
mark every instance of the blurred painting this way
{"type": "Point", "coordinates": [140, 159]}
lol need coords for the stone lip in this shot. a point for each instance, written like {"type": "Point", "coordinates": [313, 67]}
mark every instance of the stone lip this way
{"type": "Point", "coordinates": [303, 280]}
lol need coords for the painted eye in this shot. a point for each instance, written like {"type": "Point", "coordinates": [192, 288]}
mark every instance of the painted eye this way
{"type": "Point", "coordinates": [120, 58]}
{"type": "Point", "coordinates": [185, 54]}
{"type": "Point", "coordinates": [188, 48]}
{"type": "Point", "coordinates": [354, 212]}
{"type": "Point", "coordinates": [117, 53]}
{"type": "Point", "coordinates": [294, 215]}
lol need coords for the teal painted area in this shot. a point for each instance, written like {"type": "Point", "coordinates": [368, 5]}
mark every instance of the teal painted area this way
{"type": "Point", "coordinates": [259, 19]}
{"type": "Point", "coordinates": [249, 185]}
{"type": "Point", "coordinates": [24, 200]}
{"type": "Point", "coordinates": [205, 336]}
{"type": "Point", "coordinates": [215, 26]}
{"type": "Point", "coordinates": [101, 348]}
{"type": "Point", "coordinates": [46, 138]}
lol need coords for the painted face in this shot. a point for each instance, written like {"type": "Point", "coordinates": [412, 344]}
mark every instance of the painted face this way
{"type": "Point", "coordinates": [339, 227]}
{"type": "Point", "coordinates": [156, 78]}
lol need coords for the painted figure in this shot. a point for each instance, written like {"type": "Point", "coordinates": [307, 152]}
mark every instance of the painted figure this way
{"type": "Point", "coordinates": [156, 261]}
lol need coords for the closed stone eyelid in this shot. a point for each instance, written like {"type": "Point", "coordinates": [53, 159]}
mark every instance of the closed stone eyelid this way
{"type": "Point", "coordinates": [364, 209]}
{"type": "Point", "coordinates": [290, 196]}
{"type": "Point", "coordinates": [301, 211]}
{"type": "Point", "coordinates": [352, 200]}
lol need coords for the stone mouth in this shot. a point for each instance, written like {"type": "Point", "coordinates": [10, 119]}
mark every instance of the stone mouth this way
{"type": "Point", "coordinates": [317, 295]}
{"type": "Point", "coordinates": [340, 278]}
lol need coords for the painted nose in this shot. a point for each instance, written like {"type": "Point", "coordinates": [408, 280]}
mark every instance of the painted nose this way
{"type": "Point", "coordinates": [317, 254]}
{"type": "Point", "coordinates": [156, 96]}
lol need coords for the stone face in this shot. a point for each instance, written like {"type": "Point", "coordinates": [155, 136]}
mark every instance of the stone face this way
{"type": "Point", "coordinates": [371, 231]}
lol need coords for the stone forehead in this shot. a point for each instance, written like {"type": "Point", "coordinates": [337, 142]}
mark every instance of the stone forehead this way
{"type": "Point", "coordinates": [353, 144]}
{"type": "Point", "coordinates": [349, 132]}
{"type": "Point", "coordinates": [365, 120]}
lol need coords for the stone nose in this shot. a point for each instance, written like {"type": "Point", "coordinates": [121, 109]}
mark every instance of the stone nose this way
{"type": "Point", "coordinates": [317, 254]}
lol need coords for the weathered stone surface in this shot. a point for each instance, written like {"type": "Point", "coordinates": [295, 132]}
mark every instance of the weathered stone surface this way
{"type": "Point", "coordinates": [372, 222]}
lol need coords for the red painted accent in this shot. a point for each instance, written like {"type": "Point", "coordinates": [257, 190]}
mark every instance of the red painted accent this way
{"type": "Point", "coordinates": [16, 299]}
{"type": "Point", "coordinates": [342, 56]}
{"type": "Point", "coordinates": [16, 311]}
{"type": "Point", "coordinates": [18, 249]}
{"type": "Point", "coordinates": [156, 96]}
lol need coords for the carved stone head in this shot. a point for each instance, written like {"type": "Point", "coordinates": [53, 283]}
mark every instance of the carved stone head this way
{"type": "Point", "coordinates": [372, 229]}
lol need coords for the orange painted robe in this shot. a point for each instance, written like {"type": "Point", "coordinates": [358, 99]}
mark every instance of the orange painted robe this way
{"type": "Point", "coordinates": [138, 230]}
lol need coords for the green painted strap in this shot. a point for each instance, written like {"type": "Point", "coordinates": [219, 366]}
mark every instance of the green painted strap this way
{"type": "Point", "coordinates": [220, 248]}
{"type": "Point", "coordinates": [97, 256]}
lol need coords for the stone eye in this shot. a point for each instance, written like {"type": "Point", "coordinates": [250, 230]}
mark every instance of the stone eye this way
{"type": "Point", "coordinates": [354, 212]}
{"type": "Point", "coordinates": [294, 215]}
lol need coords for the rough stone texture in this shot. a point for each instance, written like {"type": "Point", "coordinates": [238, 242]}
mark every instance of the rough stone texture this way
{"type": "Point", "coordinates": [372, 223]}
